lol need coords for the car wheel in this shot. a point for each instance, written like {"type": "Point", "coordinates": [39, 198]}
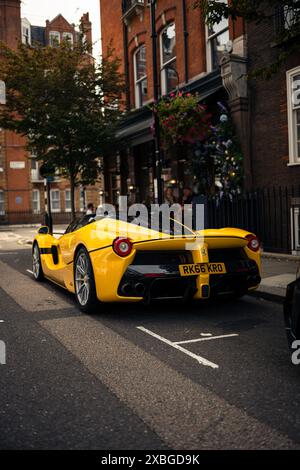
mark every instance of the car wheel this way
{"type": "Point", "coordinates": [85, 289]}
{"type": "Point", "coordinates": [37, 264]}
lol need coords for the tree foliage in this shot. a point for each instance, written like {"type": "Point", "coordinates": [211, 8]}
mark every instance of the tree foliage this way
{"type": "Point", "coordinates": [66, 105]}
{"type": "Point", "coordinates": [284, 15]}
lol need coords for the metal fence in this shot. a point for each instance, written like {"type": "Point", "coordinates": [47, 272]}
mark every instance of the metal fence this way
{"type": "Point", "coordinates": [270, 213]}
{"type": "Point", "coordinates": [28, 217]}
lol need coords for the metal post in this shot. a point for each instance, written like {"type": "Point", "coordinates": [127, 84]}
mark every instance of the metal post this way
{"type": "Point", "coordinates": [48, 214]}
{"type": "Point", "coordinates": [157, 153]}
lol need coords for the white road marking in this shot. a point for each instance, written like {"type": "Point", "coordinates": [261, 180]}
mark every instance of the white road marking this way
{"type": "Point", "coordinates": [205, 334]}
{"type": "Point", "coordinates": [8, 253]}
{"type": "Point", "coordinates": [29, 271]}
{"type": "Point", "coordinates": [197, 340]}
{"type": "Point", "coordinates": [198, 358]}
{"type": "Point", "coordinates": [1, 321]}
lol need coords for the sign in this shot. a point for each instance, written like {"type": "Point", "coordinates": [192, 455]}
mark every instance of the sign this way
{"type": "Point", "coordinates": [2, 92]}
{"type": "Point", "coordinates": [17, 165]}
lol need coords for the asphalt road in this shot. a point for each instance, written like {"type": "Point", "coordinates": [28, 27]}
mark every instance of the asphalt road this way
{"type": "Point", "coordinates": [170, 376]}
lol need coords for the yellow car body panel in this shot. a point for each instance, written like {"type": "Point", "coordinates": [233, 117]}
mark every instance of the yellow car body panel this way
{"type": "Point", "coordinates": [108, 268]}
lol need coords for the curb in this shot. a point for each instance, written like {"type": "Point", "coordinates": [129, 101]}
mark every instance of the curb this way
{"type": "Point", "coordinates": [280, 256]}
{"type": "Point", "coordinates": [268, 296]}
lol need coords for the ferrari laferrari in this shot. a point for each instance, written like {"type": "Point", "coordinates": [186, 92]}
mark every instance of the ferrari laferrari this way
{"type": "Point", "coordinates": [108, 260]}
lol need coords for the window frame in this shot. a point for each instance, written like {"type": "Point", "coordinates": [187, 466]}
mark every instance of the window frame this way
{"type": "Point", "coordinates": [52, 191]}
{"type": "Point", "coordinates": [209, 41]}
{"type": "Point", "coordinates": [68, 209]}
{"type": "Point", "coordinates": [51, 33]}
{"type": "Point", "coordinates": [2, 202]}
{"type": "Point", "coordinates": [69, 36]}
{"type": "Point", "coordinates": [164, 66]}
{"type": "Point", "coordinates": [38, 201]}
{"type": "Point", "coordinates": [294, 158]}
{"type": "Point", "coordinates": [139, 81]}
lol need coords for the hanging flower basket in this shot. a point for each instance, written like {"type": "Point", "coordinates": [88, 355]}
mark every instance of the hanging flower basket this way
{"type": "Point", "coordinates": [182, 119]}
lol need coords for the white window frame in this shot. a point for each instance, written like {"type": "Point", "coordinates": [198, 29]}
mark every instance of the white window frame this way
{"type": "Point", "coordinates": [37, 201]}
{"type": "Point", "coordinates": [2, 202]}
{"type": "Point", "coordinates": [82, 199]}
{"type": "Point", "coordinates": [68, 199]}
{"type": "Point", "coordinates": [165, 65]}
{"type": "Point", "coordinates": [69, 36]}
{"type": "Point", "coordinates": [138, 81]}
{"type": "Point", "coordinates": [294, 158]}
{"type": "Point", "coordinates": [209, 40]}
{"type": "Point", "coordinates": [54, 34]}
{"type": "Point", "coordinates": [53, 209]}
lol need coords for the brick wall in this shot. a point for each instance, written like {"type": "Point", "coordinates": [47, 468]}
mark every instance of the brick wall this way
{"type": "Point", "coordinates": [268, 107]}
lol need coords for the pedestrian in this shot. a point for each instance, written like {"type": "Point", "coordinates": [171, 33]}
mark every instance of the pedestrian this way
{"type": "Point", "coordinates": [90, 209]}
{"type": "Point", "coordinates": [169, 199]}
{"type": "Point", "coordinates": [188, 196]}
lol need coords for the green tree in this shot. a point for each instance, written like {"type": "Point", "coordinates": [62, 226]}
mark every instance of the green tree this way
{"type": "Point", "coordinates": [65, 104]}
{"type": "Point", "coordinates": [284, 15]}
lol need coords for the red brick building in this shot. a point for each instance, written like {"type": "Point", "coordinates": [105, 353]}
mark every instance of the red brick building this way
{"type": "Point", "coordinates": [188, 57]}
{"type": "Point", "coordinates": [21, 186]}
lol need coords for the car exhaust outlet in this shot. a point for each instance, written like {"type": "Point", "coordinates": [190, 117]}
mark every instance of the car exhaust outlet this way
{"type": "Point", "coordinates": [127, 289]}
{"type": "Point", "coordinates": [139, 289]}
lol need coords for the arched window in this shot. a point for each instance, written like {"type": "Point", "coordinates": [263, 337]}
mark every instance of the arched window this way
{"type": "Point", "coordinates": [140, 77]}
{"type": "Point", "coordinates": [169, 79]}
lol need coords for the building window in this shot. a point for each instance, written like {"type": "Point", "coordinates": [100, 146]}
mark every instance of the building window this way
{"type": "Point", "coordinates": [68, 200]}
{"type": "Point", "coordinates": [293, 98]}
{"type": "Point", "coordinates": [2, 203]}
{"type": "Point", "coordinates": [82, 200]}
{"type": "Point", "coordinates": [291, 16]}
{"type": "Point", "coordinates": [168, 59]}
{"type": "Point", "coordinates": [54, 38]}
{"type": "Point", "coordinates": [68, 37]}
{"type": "Point", "coordinates": [36, 206]}
{"type": "Point", "coordinates": [55, 200]}
{"type": "Point", "coordinates": [217, 39]}
{"type": "Point", "coordinates": [25, 35]}
{"type": "Point", "coordinates": [140, 77]}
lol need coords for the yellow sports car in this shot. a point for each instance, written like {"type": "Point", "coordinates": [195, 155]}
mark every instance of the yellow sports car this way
{"type": "Point", "coordinates": [109, 260]}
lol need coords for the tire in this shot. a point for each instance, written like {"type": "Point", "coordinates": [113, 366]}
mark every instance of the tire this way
{"type": "Point", "coordinates": [84, 281]}
{"type": "Point", "coordinates": [37, 264]}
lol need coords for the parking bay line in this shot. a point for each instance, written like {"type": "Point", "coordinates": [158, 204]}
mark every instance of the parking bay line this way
{"type": "Point", "coordinates": [197, 340]}
{"type": "Point", "coordinates": [199, 359]}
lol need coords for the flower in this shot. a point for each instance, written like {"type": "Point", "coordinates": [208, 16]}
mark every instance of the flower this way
{"type": "Point", "coordinates": [223, 118]}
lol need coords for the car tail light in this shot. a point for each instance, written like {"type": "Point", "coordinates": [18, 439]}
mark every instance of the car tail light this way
{"type": "Point", "coordinates": [122, 246]}
{"type": "Point", "coordinates": [253, 242]}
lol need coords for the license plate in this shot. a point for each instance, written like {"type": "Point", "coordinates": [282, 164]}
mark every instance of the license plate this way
{"type": "Point", "coordinates": [202, 268]}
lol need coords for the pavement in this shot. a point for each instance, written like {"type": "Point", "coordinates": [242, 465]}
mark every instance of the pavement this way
{"type": "Point", "coordinates": [168, 376]}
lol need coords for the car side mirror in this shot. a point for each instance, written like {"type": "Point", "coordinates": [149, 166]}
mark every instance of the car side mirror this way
{"type": "Point", "coordinates": [43, 230]}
